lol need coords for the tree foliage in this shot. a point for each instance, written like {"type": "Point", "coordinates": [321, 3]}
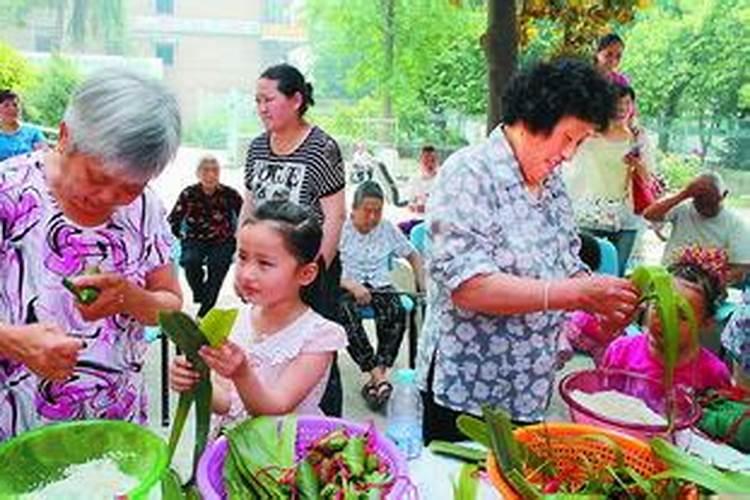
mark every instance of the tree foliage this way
{"type": "Point", "coordinates": [15, 72]}
{"type": "Point", "coordinates": [46, 102]}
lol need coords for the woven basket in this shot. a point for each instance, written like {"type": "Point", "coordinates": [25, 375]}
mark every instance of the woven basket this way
{"type": "Point", "coordinates": [210, 474]}
{"type": "Point", "coordinates": [555, 437]}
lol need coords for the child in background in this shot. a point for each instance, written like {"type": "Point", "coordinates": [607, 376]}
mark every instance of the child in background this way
{"type": "Point", "coordinates": [583, 332]}
{"type": "Point", "coordinates": [280, 351]}
{"type": "Point", "coordinates": [700, 276]}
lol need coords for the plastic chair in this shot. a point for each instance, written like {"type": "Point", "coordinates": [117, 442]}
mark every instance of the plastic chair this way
{"type": "Point", "coordinates": [608, 258]}
{"type": "Point", "coordinates": [418, 237]}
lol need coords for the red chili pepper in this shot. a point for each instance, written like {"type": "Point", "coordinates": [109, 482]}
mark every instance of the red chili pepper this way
{"type": "Point", "coordinates": [552, 486]}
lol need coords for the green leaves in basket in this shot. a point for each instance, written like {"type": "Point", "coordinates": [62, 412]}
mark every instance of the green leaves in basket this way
{"type": "Point", "coordinates": [682, 466]}
{"type": "Point", "coordinates": [217, 324]}
{"type": "Point", "coordinates": [307, 482]}
{"type": "Point", "coordinates": [260, 450]}
{"type": "Point", "coordinates": [468, 483]}
{"type": "Point", "coordinates": [354, 455]}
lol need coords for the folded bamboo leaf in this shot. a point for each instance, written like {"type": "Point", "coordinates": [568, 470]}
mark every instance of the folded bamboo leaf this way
{"type": "Point", "coordinates": [178, 424]}
{"type": "Point", "coordinates": [504, 445]}
{"type": "Point", "coordinates": [217, 324]}
{"type": "Point", "coordinates": [171, 486]}
{"type": "Point", "coordinates": [468, 483]}
{"type": "Point", "coordinates": [474, 428]}
{"type": "Point", "coordinates": [203, 396]}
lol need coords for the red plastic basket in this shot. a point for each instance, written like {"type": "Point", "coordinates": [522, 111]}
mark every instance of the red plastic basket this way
{"type": "Point", "coordinates": [210, 474]}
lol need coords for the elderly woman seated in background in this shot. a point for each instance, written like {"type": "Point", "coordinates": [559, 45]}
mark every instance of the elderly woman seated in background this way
{"type": "Point", "coordinates": [86, 205]}
{"type": "Point", "coordinates": [368, 243]}
{"type": "Point", "coordinates": [503, 259]}
{"type": "Point", "coordinates": [16, 138]}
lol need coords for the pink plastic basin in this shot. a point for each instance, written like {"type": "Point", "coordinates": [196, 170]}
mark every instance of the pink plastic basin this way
{"type": "Point", "coordinates": [651, 391]}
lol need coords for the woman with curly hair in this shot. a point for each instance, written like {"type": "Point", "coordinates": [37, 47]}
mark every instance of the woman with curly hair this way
{"type": "Point", "coordinates": [503, 259]}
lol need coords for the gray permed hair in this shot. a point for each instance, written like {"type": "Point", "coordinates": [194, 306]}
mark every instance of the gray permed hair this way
{"type": "Point", "coordinates": [125, 118]}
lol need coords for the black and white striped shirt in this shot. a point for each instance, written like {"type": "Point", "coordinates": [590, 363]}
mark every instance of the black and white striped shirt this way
{"type": "Point", "coordinates": [313, 171]}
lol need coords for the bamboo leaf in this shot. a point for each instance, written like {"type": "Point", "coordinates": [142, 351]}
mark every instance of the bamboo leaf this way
{"type": "Point", "coordinates": [458, 451]}
{"type": "Point", "coordinates": [474, 428]}
{"type": "Point", "coordinates": [217, 324]}
{"type": "Point", "coordinates": [468, 483]}
{"type": "Point", "coordinates": [183, 408]}
{"type": "Point", "coordinates": [308, 486]}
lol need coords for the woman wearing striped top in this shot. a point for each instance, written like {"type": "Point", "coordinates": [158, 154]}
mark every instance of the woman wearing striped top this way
{"type": "Point", "coordinates": [297, 161]}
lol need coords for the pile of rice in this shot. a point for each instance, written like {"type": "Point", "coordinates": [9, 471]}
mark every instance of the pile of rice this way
{"type": "Point", "coordinates": [619, 406]}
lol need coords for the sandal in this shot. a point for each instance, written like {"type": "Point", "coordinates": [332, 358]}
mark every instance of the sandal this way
{"type": "Point", "coordinates": [370, 394]}
{"type": "Point", "coordinates": [383, 389]}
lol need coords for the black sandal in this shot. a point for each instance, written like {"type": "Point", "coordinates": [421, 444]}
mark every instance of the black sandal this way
{"type": "Point", "coordinates": [383, 392]}
{"type": "Point", "coordinates": [370, 394]}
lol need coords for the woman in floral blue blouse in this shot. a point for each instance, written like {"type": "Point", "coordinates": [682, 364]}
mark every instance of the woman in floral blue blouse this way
{"type": "Point", "coordinates": [503, 258]}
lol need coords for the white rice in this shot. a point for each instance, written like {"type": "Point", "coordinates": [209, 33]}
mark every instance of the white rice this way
{"type": "Point", "coordinates": [96, 480]}
{"type": "Point", "coordinates": [619, 406]}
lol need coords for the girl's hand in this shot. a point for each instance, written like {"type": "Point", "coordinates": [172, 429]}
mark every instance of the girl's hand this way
{"type": "Point", "coordinates": [182, 377]}
{"type": "Point", "coordinates": [229, 360]}
{"type": "Point", "coordinates": [115, 294]}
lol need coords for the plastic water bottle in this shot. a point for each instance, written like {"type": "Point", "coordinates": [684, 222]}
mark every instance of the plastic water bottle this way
{"type": "Point", "coordinates": [404, 426]}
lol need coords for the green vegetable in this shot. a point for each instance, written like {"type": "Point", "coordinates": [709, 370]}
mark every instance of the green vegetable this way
{"type": "Point", "coordinates": [371, 463]}
{"type": "Point", "coordinates": [467, 485]}
{"type": "Point", "coordinates": [682, 466]}
{"type": "Point", "coordinates": [354, 456]}
{"type": "Point", "coordinates": [217, 324]}
{"type": "Point", "coordinates": [85, 295]}
{"type": "Point", "coordinates": [458, 451]}
{"type": "Point", "coordinates": [307, 482]}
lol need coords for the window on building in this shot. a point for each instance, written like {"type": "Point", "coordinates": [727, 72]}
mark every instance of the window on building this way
{"type": "Point", "coordinates": [165, 52]}
{"type": "Point", "coordinates": [165, 7]}
{"type": "Point", "coordinates": [43, 43]}
{"type": "Point", "coordinates": [277, 11]}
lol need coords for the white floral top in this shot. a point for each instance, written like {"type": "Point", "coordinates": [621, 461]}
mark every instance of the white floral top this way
{"type": "Point", "coordinates": [482, 220]}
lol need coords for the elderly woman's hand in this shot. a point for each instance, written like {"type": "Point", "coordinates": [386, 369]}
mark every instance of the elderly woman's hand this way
{"type": "Point", "coordinates": [115, 294]}
{"type": "Point", "coordinates": [616, 299]}
{"type": "Point", "coordinates": [46, 350]}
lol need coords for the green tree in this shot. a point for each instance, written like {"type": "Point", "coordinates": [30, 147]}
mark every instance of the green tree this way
{"type": "Point", "coordinates": [46, 102]}
{"type": "Point", "coordinates": [689, 59]}
{"type": "Point", "coordinates": [77, 21]}
{"type": "Point", "coordinates": [15, 71]}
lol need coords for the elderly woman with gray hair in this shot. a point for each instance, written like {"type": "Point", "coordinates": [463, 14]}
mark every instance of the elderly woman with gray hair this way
{"type": "Point", "coordinates": [77, 351]}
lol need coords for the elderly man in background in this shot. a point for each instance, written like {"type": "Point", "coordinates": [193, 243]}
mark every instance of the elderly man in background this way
{"type": "Point", "coordinates": [86, 207]}
{"type": "Point", "coordinates": [698, 217]}
{"type": "Point", "coordinates": [204, 219]}
{"type": "Point", "coordinates": [368, 244]}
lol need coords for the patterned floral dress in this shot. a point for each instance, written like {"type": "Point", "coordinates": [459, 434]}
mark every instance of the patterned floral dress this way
{"type": "Point", "coordinates": [38, 247]}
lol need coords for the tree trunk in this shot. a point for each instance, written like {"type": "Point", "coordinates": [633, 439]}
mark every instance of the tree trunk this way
{"type": "Point", "coordinates": [501, 49]}
{"type": "Point", "coordinates": [389, 41]}
{"type": "Point", "coordinates": [59, 39]}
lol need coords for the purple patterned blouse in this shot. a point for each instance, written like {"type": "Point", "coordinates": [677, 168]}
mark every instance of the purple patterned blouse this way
{"type": "Point", "coordinates": [38, 247]}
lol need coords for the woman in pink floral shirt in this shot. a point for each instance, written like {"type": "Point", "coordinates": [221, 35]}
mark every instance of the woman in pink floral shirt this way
{"type": "Point", "coordinates": [86, 205]}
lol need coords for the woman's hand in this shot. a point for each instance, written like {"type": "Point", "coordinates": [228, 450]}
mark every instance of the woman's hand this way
{"type": "Point", "coordinates": [229, 360]}
{"type": "Point", "coordinates": [615, 299]}
{"type": "Point", "coordinates": [46, 350]}
{"type": "Point", "coordinates": [182, 377]}
{"type": "Point", "coordinates": [115, 295]}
